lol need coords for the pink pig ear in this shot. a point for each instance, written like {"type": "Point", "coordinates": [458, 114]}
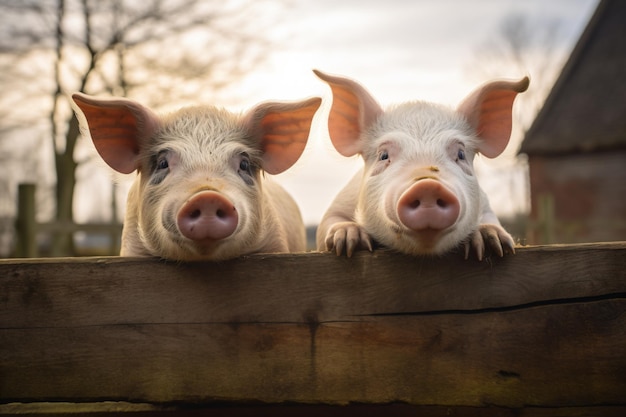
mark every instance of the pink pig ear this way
{"type": "Point", "coordinates": [118, 128]}
{"type": "Point", "coordinates": [352, 111]}
{"type": "Point", "coordinates": [282, 130]}
{"type": "Point", "coordinates": [489, 111]}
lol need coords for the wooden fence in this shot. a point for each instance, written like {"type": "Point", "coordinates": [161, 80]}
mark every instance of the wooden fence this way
{"type": "Point", "coordinates": [540, 333]}
{"type": "Point", "coordinates": [27, 228]}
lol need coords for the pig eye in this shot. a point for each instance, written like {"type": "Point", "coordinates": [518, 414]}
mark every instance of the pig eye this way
{"type": "Point", "coordinates": [384, 155]}
{"type": "Point", "coordinates": [162, 163]}
{"type": "Point", "coordinates": [460, 155]}
{"type": "Point", "coordinates": [244, 165]}
{"type": "Point", "coordinates": [246, 169]}
{"type": "Point", "coordinates": [161, 167]}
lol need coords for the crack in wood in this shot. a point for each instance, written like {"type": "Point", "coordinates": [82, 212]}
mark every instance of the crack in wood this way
{"type": "Point", "coordinates": [541, 303]}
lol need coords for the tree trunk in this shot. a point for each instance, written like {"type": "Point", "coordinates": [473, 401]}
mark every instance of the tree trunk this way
{"type": "Point", "coordinates": [63, 243]}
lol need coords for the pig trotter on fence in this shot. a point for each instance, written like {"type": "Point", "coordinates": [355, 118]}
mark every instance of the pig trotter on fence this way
{"type": "Point", "coordinates": [349, 236]}
{"type": "Point", "coordinates": [491, 236]}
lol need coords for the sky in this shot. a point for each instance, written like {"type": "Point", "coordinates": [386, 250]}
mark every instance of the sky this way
{"type": "Point", "coordinates": [400, 50]}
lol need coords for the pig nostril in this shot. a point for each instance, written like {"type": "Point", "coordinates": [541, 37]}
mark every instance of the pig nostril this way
{"type": "Point", "coordinates": [207, 216]}
{"type": "Point", "coordinates": [428, 205]}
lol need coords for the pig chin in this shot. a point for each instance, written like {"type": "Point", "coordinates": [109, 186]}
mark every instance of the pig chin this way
{"type": "Point", "coordinates": [387, 229]}
{"type": "Point", "coordinates": [389, 232]}
{"type": "Point", "coordinates": [423, 242]}
{"type": "Point", "coordinates": [164, 239]}
{"type": "Point", "coordinates": [181, 249]}
{"type": "Point", "coordinates": [209, 251]}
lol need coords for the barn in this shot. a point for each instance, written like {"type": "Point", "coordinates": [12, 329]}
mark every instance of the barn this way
{"type": "Point", "coordinates": [576, 146]}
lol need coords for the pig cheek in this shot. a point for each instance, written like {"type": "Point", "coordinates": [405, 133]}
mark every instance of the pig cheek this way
{"type": "Point", "coordinates": [468, 194]}
{"type": "Point", "coordinates": [391, 184]}
{"type": "Point", "coordinates": [156, 238]}
{"type": "Point", "coordinates": [370, 203]}
{"type": "Point", "coordinates": [157, 216]}
{"type": "Point", "coordinates": [379, 167]}
{"type": "Point", "coordinates": [243, 198]}
{"type": "Point", "coordinates": [376, 208]}
{"type": "Point", "coordinates": [466, 167]}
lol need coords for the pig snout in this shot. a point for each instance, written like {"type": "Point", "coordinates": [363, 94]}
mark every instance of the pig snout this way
{"type": "Point", "coordinates": [207, 215]}
{"type": "Point", "coordinates": [428, 205]}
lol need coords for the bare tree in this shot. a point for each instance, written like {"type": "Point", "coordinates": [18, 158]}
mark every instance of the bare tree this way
{"type": "Point", "coordinates": [158, 51]}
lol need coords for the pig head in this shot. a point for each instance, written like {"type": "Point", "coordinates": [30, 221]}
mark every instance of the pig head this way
{"type": "Point", "coordinates": [200, 192]}
{"type": "Point", "coordinates": [417, 192]}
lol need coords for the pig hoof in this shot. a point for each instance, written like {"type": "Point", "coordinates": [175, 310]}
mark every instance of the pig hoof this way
{"type": "Point", "coordinates": [349, 236]}
{"type": "Point", "coordinates": [490, 236]}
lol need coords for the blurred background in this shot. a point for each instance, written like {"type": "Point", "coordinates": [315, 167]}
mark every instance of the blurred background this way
{"type": "Point", "coordinates": [562, 178]}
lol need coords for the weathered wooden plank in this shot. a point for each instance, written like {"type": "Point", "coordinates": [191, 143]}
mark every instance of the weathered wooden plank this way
{"type": "Point", "coordinates": [542, 330]}
{"type": "Point", "coordinates": [298, 288]}
{"type": "Point", "coordinates": [560, 355]}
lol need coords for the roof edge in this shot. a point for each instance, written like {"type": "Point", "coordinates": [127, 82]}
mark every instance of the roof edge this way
{"type": "Point", "coordinates": [567, 71]}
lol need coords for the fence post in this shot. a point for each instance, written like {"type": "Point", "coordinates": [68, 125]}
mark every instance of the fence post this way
{"type": "Point", "coordinates": [26, 225]}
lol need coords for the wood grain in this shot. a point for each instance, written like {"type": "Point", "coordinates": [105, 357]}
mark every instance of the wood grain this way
{"type": "Point", "coordinates": [542, 330]}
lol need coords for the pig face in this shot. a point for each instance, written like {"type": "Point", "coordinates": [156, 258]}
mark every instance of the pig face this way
{"type": "Point", "coordinates": [417, 193]}
{"type": "Point", "coordinates": [199, 193]}
{"type": "Point", "coordinates": [189, 183]}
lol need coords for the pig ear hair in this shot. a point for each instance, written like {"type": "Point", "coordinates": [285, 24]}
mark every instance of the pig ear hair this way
{"type": "Point", "coordinates": [352, 111]}
{"type": "Point", "coordinates": [282, 130]}
{"type": "Point", "coordinates": [118, 128]}
{"type": "Point", "coordinates": [489, 111]}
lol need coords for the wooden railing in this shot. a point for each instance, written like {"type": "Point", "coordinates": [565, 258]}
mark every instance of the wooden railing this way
{"type": "Point", "coordinates": [27, 228]}
{"type": "Point", "coordinates": [539, 333]}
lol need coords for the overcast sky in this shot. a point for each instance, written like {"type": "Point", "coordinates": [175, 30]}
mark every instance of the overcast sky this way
{"type": "Point", "coordinates": [399, 50]}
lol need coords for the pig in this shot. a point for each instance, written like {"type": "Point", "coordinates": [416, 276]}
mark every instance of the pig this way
{"type": "Point", "coordinates": [417, 192]}
{"type": "Point", "coordinates": [201, 192]}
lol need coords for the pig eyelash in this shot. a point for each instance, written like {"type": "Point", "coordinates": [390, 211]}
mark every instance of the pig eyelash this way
{"type": "Point", "coordinates": [245, 169]}
{"type": "Point", "coordinates": [160, 167]}
{"type": "Point", "coordinates": [457, 152]}
{"type": "Point", "coordinates": [384, 151]}
{"type": "Point", "coordinates": [162, 163]}
{"type": "Point", "coordinates": [384, 160]}
{"type": "Point", "coordinates": [160, 160]}
{"type": "Point", "coordinates": [459, 155]}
